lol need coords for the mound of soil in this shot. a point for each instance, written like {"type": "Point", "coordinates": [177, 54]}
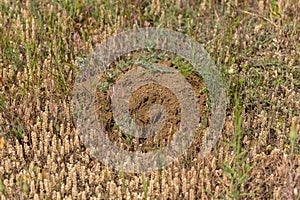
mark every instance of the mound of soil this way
{"type": "Point", "coordinates": [139, 106]}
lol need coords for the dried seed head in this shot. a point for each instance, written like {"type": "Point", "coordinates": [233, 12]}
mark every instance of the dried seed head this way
{"type": "Point", "coordinates": [2, 142]}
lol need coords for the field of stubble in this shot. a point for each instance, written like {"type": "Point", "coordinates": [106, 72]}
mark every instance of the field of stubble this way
{"type": "Point", "coordinates": [255, 44]}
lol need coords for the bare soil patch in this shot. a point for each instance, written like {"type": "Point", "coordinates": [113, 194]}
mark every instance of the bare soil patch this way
{"type": "Point", "coordinates": [139, 106]}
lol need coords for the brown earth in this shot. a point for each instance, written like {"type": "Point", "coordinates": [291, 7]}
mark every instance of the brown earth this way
{"type": "Point", "coordinates": [139, 105]}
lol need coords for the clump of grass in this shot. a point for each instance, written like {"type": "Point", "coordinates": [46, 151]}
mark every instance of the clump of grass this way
{"type": "Point", "coordinates": [294, 137]}
{"type": "Point", "coordinates": [2, 187]}
{"type": "Point", "coordinates": [237, 170]}
{"type": "Point", "coordinates": [17, 131]}
{"type": "Point", "coordinates": [145, 186]}
{"type": "Point", "coordinates": [185, 68]}
{"type": "Point", "coordinates": [2, 103]}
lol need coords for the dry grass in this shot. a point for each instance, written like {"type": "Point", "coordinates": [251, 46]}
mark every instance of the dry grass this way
{"type": "Point", "coordinates": [256, 44]}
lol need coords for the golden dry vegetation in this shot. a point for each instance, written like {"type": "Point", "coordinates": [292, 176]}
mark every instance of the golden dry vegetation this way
{"type": "Point", "coordinates": [255, 44]}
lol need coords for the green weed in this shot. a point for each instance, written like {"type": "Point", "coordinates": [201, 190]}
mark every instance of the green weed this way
{"type": "Point", "coordinates": [2, 187]}
{"type": "Point", "coordinates": [237, 170]}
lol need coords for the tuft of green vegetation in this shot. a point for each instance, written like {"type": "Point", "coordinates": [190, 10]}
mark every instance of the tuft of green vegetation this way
{"type": "Point", "coordinates": [237, 169]}
{"type": "Point", "coordinates": [17, 131]}
{"type": "Point", "coordinates": [2, 187]}
{"type": "Point", "coordinates": [2, 103]}
{"type": "Point", "coordinates": [145, 183]}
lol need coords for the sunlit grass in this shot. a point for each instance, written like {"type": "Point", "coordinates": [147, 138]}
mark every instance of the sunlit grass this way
{"type": "Point", "coordinates": [255, 44]}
